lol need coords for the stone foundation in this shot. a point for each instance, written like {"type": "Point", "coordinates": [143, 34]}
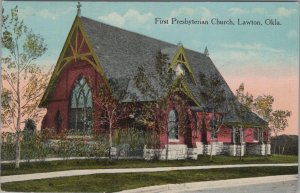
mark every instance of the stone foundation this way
{"type": "Point", "coordinates": [181, 151]}
{"type": "Point", "coordinates": [175, 152]}
{"type": "Point", "coordinates": [268, 148]}
{"type": "Point", "coordinates": [236, 150]}
{"type": "Point", "coordinates": [258, 149]}
{"type": "Point", "coordinates": [240, 150]}
{"type": "Point", "coordinates": [152, 154]}
{"type": "Point", "coordinates": [218, 148]}
{"type": "Point", "coordinates": [194, 152]}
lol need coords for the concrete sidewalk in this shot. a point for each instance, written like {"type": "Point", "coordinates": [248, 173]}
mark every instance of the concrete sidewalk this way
{"type": "Point", "coordinates": [200, 186]}
{"type": "Point", "coordinates": [68, 158]}
{"type": "Point", "coordinates": [35, 176]}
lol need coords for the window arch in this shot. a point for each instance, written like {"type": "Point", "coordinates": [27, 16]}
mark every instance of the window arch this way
{"type": "Point", "coordinates": [80, 108]}
{"type": "Point", "coordinates": [173, 124]}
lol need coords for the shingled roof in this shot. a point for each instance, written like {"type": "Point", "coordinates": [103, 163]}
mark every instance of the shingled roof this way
{"type": "Point", "coordinates": [122, 52]}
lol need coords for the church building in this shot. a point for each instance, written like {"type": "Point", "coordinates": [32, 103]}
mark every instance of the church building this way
{"type": "Point", "coordinates": [194, 112]}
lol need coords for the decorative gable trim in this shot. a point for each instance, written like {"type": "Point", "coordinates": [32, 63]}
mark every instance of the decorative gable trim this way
{"type": "Point", "coordinates": [180, 58]}
{"type": "Point", "coordinates": [77, 47]}
{"type": "Point", "coordinates": [180, 85]}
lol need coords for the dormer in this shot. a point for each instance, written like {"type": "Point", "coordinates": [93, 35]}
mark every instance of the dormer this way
{"type": "Point", "coordinates": [178, 62]}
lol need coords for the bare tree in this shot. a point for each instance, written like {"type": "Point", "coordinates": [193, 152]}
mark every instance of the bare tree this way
{"type": "Point", "coordinates": [110, 111]}
{"type": "Point", "coordinates": [155, 114]}
{"type": "Point", "coordinates": [262, 105]}
{"type": "Point", "coordinates": [214, 95]}
{"type": "Point", "coordinates": [23, 80]}
{"type": "Point", "coordinates": [246, 99]}
{"type": "Point", "coordinates": [278, 123]}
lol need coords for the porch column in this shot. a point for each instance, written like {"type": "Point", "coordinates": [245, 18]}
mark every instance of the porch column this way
{"type": "Point", "coordinates": [233, 135]}
{"type": "Point", "coordinates": [242, 150]}
{"type": "Point", "coordinates": [261, 142]}
{"type": "Point", "coordinates": [268, 144]}
{"type": "Point", "coordinates": [241, 135]}
{"type": "Point", "coordinates": [232, 147]}
{"type": "Point", "coordinates": [261, 139]}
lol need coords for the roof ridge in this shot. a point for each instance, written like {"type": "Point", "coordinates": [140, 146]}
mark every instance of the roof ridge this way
{"type": "Point", "coordinates": [122, 29]}
{"type": "Point", "coordinates": [139, 34]}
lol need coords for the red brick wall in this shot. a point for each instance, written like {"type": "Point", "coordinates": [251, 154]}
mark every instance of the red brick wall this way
{"type": "Point", "coordinates": [61, 93]}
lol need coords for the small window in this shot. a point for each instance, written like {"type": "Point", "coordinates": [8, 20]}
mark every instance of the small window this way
{"type": "Point", "coordinates": [173, 125]}
{"type": "Point", "coordinates": [179, 70]}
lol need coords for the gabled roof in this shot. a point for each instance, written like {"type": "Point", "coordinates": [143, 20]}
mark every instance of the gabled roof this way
{"type": "Point", "coordinates": [122, 52]}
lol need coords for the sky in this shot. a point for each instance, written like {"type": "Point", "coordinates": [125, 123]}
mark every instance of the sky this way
{"type": "Point", "coordinates": [263, 57]}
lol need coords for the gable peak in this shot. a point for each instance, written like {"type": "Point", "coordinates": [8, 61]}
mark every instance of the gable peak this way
{"type": "Point", "coordinates": [179, 44]}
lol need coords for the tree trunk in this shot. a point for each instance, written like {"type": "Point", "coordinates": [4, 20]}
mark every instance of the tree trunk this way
{"type": "Point", "coordinates": [241, 156]}
{"type": "Point", "coordinates": [282, 152]}
{"type": "Point", "coordinates": [211, 150]}
{"type": "Point", "coordinates": [18, 150]}
{"type": "Point", "coordinates": [18, 129]}
{"type": "Point", "coordinates": [266, 149]}
{"type": "Point", "coordinates": [241, 142]}
{"type": "Point", "coordinates": [167, 149]}
{"type": "Point", "coordinates": [110, 141]}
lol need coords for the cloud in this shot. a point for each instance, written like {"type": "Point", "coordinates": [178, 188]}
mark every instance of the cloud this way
{"type": "Point", "coordinates": [255, 62]}
{"type": "Point", "coordinates": [253, 46]}
{"type": "Point", "coordinates": [113, 18]}
{"type": "Point", "coordinates": [237, 11]}
{"type": "Point", "coordinates": [292, 34]}
{"type": "Point", "coordinates": [285, 12]}
{"type": "Point", "coordinates": [183, 11]}
{"type": "Point", "coordinates": [206, 13]}
{"type": "Point", "coordinates": [131, 17]}
{"type": "Point", "coordinates": [259, 10]}
{"type": "Point", "coordinates": [202, 12]}
{"type": "Point", "coordinates": [44, 13]}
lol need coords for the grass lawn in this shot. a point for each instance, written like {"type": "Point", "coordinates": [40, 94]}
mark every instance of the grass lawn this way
{"type": "Point", "coordinates": [36, 167]}
{"type": "Point", "coordinates": [118, 182]}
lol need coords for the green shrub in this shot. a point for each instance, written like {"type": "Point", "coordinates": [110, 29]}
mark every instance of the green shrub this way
{"type": "Point", "coordinates": [8, 146]}
{"type": "Point", "coordinates": [129, 142]}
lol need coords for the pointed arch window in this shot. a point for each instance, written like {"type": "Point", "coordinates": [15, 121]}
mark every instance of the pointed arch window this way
{"type": "Point", "coordinates": [173, 125]}
{"type": "Point", "coordinates": [80, 118]}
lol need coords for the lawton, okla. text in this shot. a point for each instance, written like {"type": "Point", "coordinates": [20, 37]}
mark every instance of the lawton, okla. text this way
{"type": "Point", "coordinates": [215, 21]}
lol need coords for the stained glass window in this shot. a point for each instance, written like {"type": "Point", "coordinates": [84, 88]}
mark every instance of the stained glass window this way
{"type": "Point", "coordinates": [173, 125]}
{"type": "Point", "coordinates": [80, 118]}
